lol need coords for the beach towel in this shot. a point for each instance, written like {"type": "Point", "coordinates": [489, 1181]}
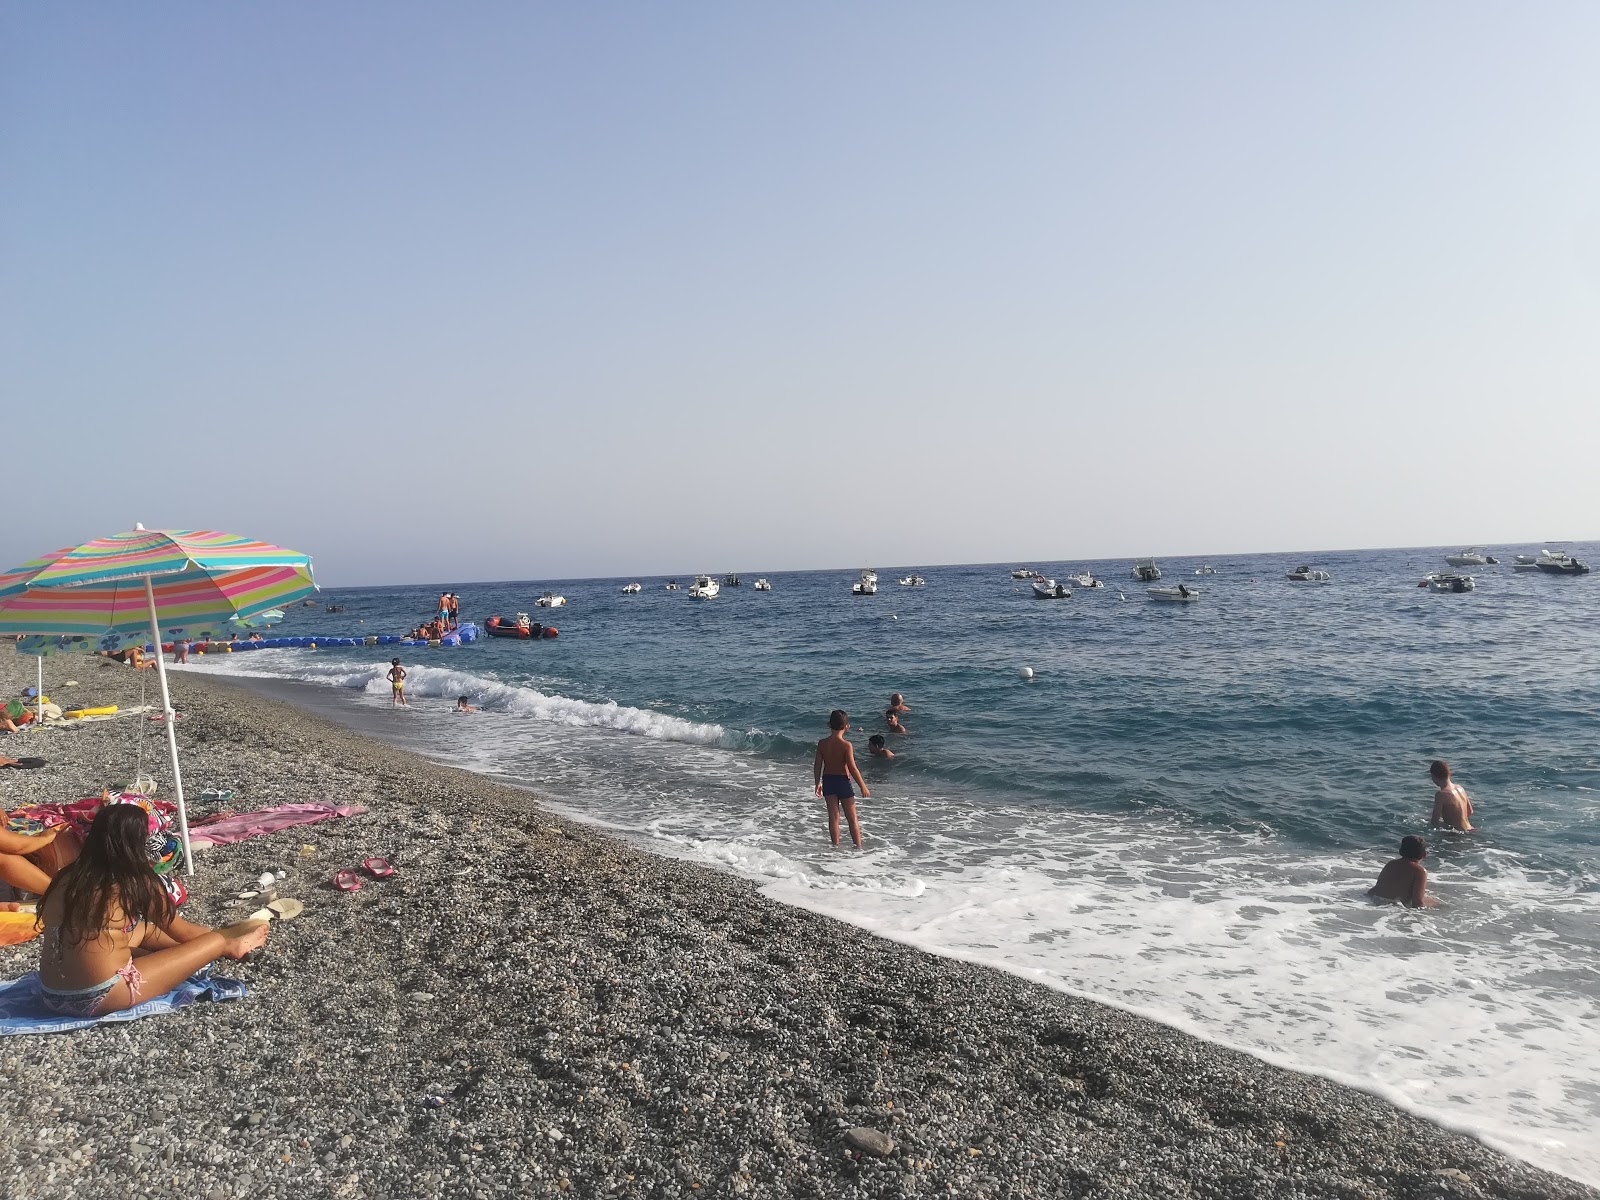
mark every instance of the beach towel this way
{"type": "Point", "coordinates": [236, 827]}
{"type": "Point", "coordinates": [21, 1010]}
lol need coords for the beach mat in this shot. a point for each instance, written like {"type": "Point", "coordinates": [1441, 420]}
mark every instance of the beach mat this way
{"type": "Point", "coordinates": [22, 1011]}
{"type": "Point", "coordinates": [223, 830]}
{"type": "Point", "coordinates": [18, 927]}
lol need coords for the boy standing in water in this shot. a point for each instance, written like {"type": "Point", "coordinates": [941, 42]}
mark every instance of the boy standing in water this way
{"type": "Point", "coordinates": [833, 768]}
{"type": "Point", "coordinates": [1452, 807]}
{"type": "Point", "coordinates": [1405, 879]}
{"type": "Point", "coordinates": [397, 683]}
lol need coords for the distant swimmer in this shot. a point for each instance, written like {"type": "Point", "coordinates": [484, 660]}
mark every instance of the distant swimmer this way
{"type": "Point", "coordinates": [834, 767]}
{"type": "Point", "coordinates": [878, 748]}
{"type": "Point", "coordinates": [891, 715]}
{"type": "Point", "coordinates": [1452, 807]}
{"type": "Point", "coordinates": [464, 704]}
{"type": "Point", "coordinates": [898, 705]}
{"type": "Point", "coordinates": [1404, 880]}
{"type": "Point", "coordinates": [397, 683]}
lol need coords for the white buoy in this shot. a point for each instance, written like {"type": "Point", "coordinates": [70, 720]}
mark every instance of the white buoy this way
{"type": "Point", "coordinates": [1026, 672]}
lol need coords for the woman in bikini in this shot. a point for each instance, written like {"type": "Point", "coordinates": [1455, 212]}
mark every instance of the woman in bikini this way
{"type": "Point", "coordinates": [112, 936]}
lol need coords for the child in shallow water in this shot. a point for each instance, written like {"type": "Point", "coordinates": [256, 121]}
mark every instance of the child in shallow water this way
{"type": "Point", "coordinates": [112, 936]}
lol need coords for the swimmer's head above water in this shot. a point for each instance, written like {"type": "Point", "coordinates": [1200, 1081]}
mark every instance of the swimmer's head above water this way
{"type": "Point", "coordinates": [1413, 847]}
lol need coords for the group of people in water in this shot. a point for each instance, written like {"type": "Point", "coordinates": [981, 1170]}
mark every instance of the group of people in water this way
{"type": "Point", "coordinates": [1404, 880]}
{"type": "Point", "coordinates": [834, 767]}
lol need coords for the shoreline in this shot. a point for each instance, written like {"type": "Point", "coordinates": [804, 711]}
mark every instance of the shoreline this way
{"type": "Point", "coordinates": [677, 1031]}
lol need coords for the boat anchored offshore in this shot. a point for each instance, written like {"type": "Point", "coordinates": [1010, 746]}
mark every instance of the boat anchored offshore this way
{"type": "Point", "coordinates": [730, 580]}
{"type": "Point", "coordinates": [1307, 575]}
{"type": "Point", "coordinates": [550, 600]}
{"type": "Point", "coordinates": [631, 589]}
{"type": "Point", "coordinates": [522, 627]}
{"type": "Point", "coordinates": [672, 586]}
{"type": "Point", "coordinates": [1559, 562]}
{"type": "Point", "coordinates": [913, 581]}
{"type": "Point", "coordinates": [1085, 580]}
{"type": "Point", "coordinates": [705, 588]}
{"type": "Point", "coordinates": [763, 584]}
{"type": "Point", "coordinates": [1470, 557]}
{"type": "Point", "coordinates": [867, 585]}
{"type": "Point", "coordinates": [1205, 569]}
{"type": "Point", "coordinates": [1449, 581]}
{"type": "Point", "coordinates": [1049, 589]}
{"type": "Point", "coordinates": [1525, 562]}
{"type": "Point", "coordinates": [1182, 594]}
{"type": "Point", "coordinates": [1022, 573]}
{"type": "Point", "coordinates": [1146, 571]}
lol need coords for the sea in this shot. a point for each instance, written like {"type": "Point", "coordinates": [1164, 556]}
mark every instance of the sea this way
{"type": "Point", "coordinates": [1179, 812]}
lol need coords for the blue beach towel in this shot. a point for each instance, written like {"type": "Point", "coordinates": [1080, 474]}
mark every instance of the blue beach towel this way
{"type": "Point", "coordinates": [21, 1010]}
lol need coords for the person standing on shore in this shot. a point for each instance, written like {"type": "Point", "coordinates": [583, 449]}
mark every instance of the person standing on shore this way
{"type": "Point", "coordinates": [1452, 807]}
{"type": "Point", "coordinates": [1404, 880]}
{"type": "Point", "coordinates": [397, 683]}
{"type": "Point", "coordinates": [833, 767]}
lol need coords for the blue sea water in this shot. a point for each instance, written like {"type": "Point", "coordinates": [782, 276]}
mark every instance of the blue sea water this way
{"type": "Point", "coordinates": [1179, 813]}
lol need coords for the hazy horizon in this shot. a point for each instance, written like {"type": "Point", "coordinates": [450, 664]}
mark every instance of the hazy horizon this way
{"type": "Point", "coordinates": [559, 293]}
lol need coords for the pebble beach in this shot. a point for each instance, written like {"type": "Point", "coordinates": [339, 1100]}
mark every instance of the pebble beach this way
{"type": "Point", "coordinates": [531, 1007]}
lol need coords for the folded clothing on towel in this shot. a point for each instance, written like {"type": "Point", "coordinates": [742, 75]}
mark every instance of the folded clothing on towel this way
{"type": "Point", "coordinates": [22, 1009]}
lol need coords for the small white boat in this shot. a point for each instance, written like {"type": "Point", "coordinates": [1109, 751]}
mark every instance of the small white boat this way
{"type": "Point", "coordinates": [1449, 581]}
{"type": "Point", "coordinates": [632, 589]}
{"type": "Point", "coordinates": [704, 588]}
{"type": "Point", "coordinates": [1307, 575]}
{"type": "Point", "coordinates": [763, 584]}
{"type": "Point", "coordinates": [1205, 569]}
{"type": "Point", "coordinates": [1470, 557]}
{"type": "Point", "coordinates": [1146, 571]}
{"type": "Point", "coordinates": [1049, 589]}
{"type": "Point", "coordinates": [1085, 580]}
{"type": "Point", "coordinates": [913, 581]}
{"type": "Point", "coordinates": [672, 586]}
{"type": "Point", "coordinates": [867, 585]}
{"type": "Point", "coordinates": [551, 600]}
{"type": "Point", "coordinates": [1022, 573]}
{"type": "Point", "coordinates": [1182, 594]}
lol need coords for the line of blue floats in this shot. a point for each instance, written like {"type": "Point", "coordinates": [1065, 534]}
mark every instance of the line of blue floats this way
{"type": "Point", "coordinates": [460, 636]}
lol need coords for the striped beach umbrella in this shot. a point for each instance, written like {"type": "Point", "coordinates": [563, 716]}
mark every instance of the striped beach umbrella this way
{"type": "Point", "coordinates": [110, 593]}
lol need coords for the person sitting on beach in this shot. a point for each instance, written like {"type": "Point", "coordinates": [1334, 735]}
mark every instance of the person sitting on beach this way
{"type": "Point", "coordinates": [1404, 880]}
{"type": "Point", "coordinates": [397, 682]}
{"type": "Point", "coordinates": [14, 714]}
{"type": "Point", "coordinates": [112, 936]}
{"type": "Point", "coordinates": [463, 706]}
{"type": "Point", "coordinates": [878, 748]}
{"type": "Point", "coordinates": [833, 767]}
{"type": "Point", "coordinates": [134, 657]}
{"type": "Point", "coordinates": [18, 864]}
{"type": "Point", "coordinates": [1452, 807]}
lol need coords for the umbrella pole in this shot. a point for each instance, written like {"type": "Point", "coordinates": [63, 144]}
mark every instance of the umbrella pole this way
{"type": "Point", "coordinates": [38, 695]}
{"type": "Point", "coordinates": [170, 721]}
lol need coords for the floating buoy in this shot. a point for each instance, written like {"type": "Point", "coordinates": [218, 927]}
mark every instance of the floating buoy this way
{"type": "Point", "coordinates": [1026, 672]}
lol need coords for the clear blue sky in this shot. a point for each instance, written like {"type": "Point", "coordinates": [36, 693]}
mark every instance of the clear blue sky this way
{"type": "Point", "coordinates": [511, 291]}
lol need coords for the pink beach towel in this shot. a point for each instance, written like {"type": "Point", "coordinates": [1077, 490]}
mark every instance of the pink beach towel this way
{"type": "Point", "coordinates": [236, 827]}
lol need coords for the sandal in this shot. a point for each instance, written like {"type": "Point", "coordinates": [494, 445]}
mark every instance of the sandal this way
{"type": "Point", "coordinates": [346, 881]}
{"type": "Point", "coordinates": [378, 868]}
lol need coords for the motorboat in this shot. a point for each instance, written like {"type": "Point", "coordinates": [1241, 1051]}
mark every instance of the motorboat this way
{"type": "Point", "coordinates": [730, 580]}
{"type": "Point", "coordinates": [1182, 594]}
{"type": "Point", "coordinates": [632, 589]}
{"type": "Point", "coordinates": [1307, 575]}
{"type": "Point", "coordinates": [867, 585]}
{"type": "Point", "coordinates": [1525, 562]}
{"type": "Point", "coordinates": [1205, 569]}
{"type": "Point", "coordinates": [335, 608]}
{"type": "Point", "coordinates": [763, 584]}
{"type": "Point", "coordinates": [704, 588]}
{"type": "Point", "coordinates": [1470, 557]}
{"type": "Point", "coordinates": [1022, 573]}
{"type": "Point", "coordinates": [913, 581]}
{"type": "Point", "coordinates": [522, 626]}
{"type": "Point", "coordinates": [1146, 571]}
{"type": "Point", "coordinates": [672, 586]}
{"type": "Point", "coordinates": [1049, 589]}
{"type": "Point", "coordinates": [550, 600]}
{"type": "Point", "coordinates": [1085, 580]}
{"type": "Point", "coordinates": [1449, 581]}
{"type": "Point", "coordinates": [868, 575]}
{"type": "Point", "coordinates": [1559, 562]}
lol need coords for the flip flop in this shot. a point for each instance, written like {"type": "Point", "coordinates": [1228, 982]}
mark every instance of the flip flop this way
{"type": "Point", "coordinates": [346, 881]}
{"type": "Point", "coordinates": [378, 868]}
{"type": "Point", "coordinates": [23, 764]}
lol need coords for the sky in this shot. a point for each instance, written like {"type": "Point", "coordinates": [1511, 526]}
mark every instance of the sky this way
{"type": "Point", "coordinates": [512, 291]}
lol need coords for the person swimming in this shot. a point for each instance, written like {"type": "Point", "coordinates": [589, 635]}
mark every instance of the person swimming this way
{"type": "Point", "coordinates": [1452, 807]}
{"type": "Point", "coordinates": [1404, 880]}
{"type": "Point", "coordinates": [878, 748]}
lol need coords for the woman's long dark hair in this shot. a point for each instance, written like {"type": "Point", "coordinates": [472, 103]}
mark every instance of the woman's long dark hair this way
{"type": "Point", "coordinates": [112, 867]}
